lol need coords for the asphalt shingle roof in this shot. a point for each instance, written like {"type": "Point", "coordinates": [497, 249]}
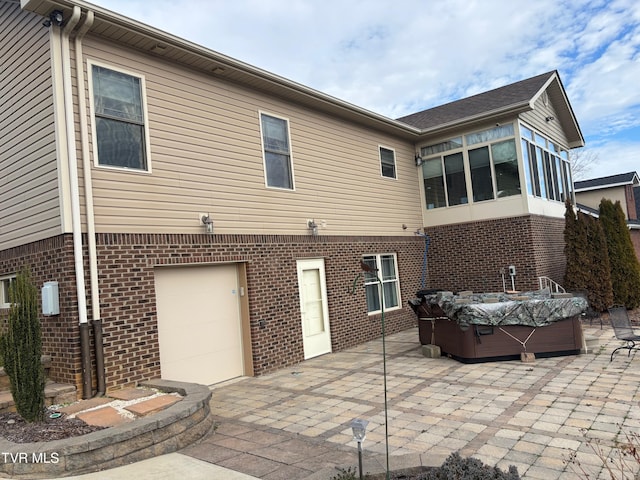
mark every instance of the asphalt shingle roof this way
{"type": "Point", "coordinates": [499, 98]}
{"type": "Point", "coordinates": [619, 179]}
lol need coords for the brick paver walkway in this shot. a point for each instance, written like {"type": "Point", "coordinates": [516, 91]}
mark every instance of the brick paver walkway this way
{"type": "Point", "coordinates": [295, 423]}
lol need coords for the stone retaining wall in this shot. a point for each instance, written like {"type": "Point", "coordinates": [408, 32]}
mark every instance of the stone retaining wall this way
{"type": "Point", "coordinates": [167, 431]}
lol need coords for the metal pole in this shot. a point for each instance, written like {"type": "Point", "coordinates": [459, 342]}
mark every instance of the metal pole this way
{"type": "Point", "coordinates": [384, 375]}
{"type": "Point", "coordinates": [360, 459]}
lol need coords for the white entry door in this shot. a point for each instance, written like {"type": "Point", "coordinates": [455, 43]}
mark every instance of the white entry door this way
{"type": "Point", "coordinates": [313, 306]}
{"type": "Point", "coordinates": [199, 328]}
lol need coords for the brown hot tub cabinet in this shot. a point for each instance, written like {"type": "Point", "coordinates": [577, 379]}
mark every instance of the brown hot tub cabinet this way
{"type": "Point", "coordinates": [472, 339]}
{"type": "Point", "coordinates": [485, 343]}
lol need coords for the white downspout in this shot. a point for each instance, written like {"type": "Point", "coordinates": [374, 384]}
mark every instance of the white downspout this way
{"type": "Point", "coordinates": [73, 164]}
{"type": "Point", "coordinates": [89, 213]}
{"type": "Point", "coordinates": [86, 166]}
{"type": "Point", "coordinates": [76, 223]}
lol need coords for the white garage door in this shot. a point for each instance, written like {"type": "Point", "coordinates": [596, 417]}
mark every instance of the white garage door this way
{"type": "Point", "coordinates": [199, 326]}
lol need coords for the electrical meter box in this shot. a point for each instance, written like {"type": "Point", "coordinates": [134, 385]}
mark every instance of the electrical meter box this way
{"type": "Point", "coordinates": [50, 299]}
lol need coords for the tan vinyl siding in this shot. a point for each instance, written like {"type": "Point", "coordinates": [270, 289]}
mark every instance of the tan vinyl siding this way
{"type": "Point", "coordinates": [592, 198]}
{"type": "Point", "coordinates": [552, 129]}
{"type": "Point", "coordinates": [206, 157]}
{"type": "Point", "coordinates": [29, 203]}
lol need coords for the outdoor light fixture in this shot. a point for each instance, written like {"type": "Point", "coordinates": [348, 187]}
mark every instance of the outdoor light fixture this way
{"type": "Point", "coordinates": [418, 160]}
{"type": "Point", "coordinates": [55, 18]}
{"type": "Point", "coordinates": [359, 429]}
{"type": "Point", "coordinates": [207, 221]}
{"type": "Point", "coordinates": [313, 227]}
{"type": "Point", "coordinates": [549, 118]}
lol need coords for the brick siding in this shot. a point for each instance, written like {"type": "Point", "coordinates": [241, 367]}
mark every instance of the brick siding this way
{"type": "Point", "coordinates": [127, 294]}
{"type": "Point", "coordinates": [461, 257]}
{"type": "Point", "coordinates": [635, 239]}
{"type": "Point", "coordinates": [52, 260]}
{"type": "Point", "coordinates": [471, 256]}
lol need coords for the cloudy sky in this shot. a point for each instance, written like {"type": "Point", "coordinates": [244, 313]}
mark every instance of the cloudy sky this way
{"type": "Point", "coordinates": [402, 56]}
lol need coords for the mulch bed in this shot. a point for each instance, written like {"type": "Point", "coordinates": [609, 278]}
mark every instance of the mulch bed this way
{"type": "Point", "coordinates": [15, 429]}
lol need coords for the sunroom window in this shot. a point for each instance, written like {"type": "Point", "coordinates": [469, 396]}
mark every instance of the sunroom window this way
{"type": "Point", "coordinates": [488, 156]}
{"type": "Point", "coordinates": [548, 171]}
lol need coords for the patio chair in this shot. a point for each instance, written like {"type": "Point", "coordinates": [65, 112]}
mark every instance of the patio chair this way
{"type": "Point", "coordinates": [623, 329]}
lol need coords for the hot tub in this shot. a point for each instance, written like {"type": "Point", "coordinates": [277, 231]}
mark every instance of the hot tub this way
{"type": "Point", "coordinates": [491, 327]}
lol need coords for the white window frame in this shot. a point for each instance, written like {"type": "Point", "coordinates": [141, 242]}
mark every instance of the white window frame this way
{"type": "Point", "coordinates": [145, 113]}
{"type": "Point", "coordinates": [6, 280]}
{"type": "Point", "coordinates": [378, 274]}
{"type": "Point", "coordinates": [264, 156]}
{"type": "Point", "coordinates": [395, 163]}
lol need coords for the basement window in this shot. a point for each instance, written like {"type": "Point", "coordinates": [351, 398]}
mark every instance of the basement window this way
{"type": "Point", "coordinates": [5, 282]}
{"type": "Point", "coordinates": [386, 267]}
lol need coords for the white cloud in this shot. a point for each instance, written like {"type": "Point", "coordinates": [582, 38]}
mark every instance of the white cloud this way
{"type": "Point", "coordinates": [401, 57]}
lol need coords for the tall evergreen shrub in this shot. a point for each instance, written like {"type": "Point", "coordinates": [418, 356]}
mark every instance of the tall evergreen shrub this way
{"type": "Point", "coordinates": [601, 290]}
{"type": "Point", "coordinates": [21, 348]}
{"type": "Point", "coordinates": [624, 266]}
{"type": "Point", "coordinates": [587, 259]}
{"type": "Point", "coordinates": [575, 277]}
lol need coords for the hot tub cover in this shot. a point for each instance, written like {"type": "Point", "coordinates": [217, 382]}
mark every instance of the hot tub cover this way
{"type": "Point", "coordinates": [537, 311]}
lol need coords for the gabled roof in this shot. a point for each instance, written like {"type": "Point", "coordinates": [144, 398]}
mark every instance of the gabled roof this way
{"type": "Point", "coordinates": [515, 98]}
{"type": "Point", "coordinates": [621, 179]}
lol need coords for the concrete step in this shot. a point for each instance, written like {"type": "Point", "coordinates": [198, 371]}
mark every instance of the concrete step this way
{"type": "Point", "coordinates": [5, 385]}
{"type": "Point", "coordinates": [54, 394]}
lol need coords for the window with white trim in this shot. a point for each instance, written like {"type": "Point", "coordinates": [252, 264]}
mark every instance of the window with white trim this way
{"type": "Point", "coordinates": [547, 167]}
{"type": "Point", "coordinates": [278, 168]}
{"type": "Point", "coordinates": [490, 158]}
{"type": "Point", "coordinates": [5, 282]}
{"type": "Point", "coordinates": [387, 162]}
{"type": "Point", "coordinates": [119, 119]}
{"type": "Point", "coordinates": [385, 268]}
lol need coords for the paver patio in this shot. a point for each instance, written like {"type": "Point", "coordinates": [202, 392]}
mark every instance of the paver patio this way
{"type": "Point", "coordinates": [295, 423]}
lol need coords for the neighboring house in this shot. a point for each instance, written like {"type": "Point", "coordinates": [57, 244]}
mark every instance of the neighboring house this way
{"type": "Point", "coordinates": [624, 188]}
{"type": "Point", "coordinates": [213, 216]}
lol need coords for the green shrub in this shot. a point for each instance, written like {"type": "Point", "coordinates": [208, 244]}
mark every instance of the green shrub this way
{"type": "Point", "coordinates": [456, 467]}
{"type": "Point", "coordinates": [21, 349]}
{"type": "Point", "coordinates": [624, 266]}
{"type": "Point", "coordinates": [587, 259]}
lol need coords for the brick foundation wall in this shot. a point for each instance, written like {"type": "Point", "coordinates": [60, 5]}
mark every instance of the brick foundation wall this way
{"type": "Point", "coordinates": [127, 293]}
{"type": "Point", "coordinates": [52, 260]}
{"type": "Point", "coordinates": [128, 298]}
{"type": "Point", "coordinates": [467, 256]}
{"type": "Point", "coordinates": [470, 256]}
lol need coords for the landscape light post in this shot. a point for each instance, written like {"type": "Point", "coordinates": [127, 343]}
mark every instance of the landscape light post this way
{"type": "Point", "coordinates": [359, 429]}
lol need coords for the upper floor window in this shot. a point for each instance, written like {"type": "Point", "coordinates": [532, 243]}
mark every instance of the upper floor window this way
{"type": "Point", "coordinates": [547, 168]}
{"type": "Point", "coordinates": [388, 162]}
{"type": "Point", "coordinates": [120, 128]}
{"type": "Point", "coordinates": [277, 152]}
{"type": "Point", "coordinates": [5, 282]}
{"type": "Point", "coordinates": [489, 157]}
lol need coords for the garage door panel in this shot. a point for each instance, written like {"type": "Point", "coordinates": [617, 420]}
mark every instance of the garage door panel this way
{"type": "Point", "coordinates": [199, 323]}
